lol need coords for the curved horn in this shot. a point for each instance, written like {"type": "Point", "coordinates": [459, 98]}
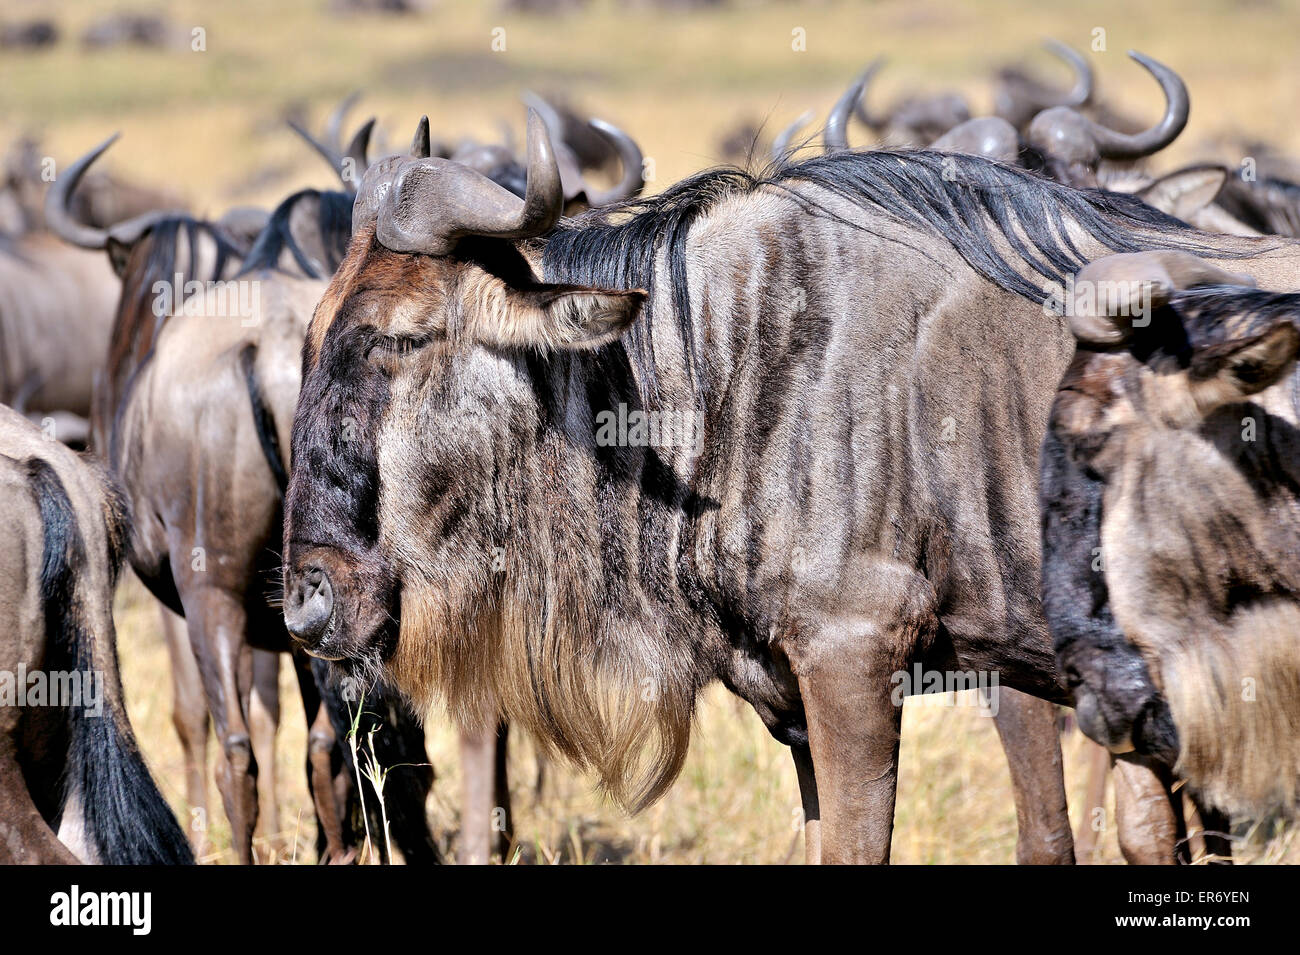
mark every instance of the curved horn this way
{"type": "Point", "coordinates": [1114, 145]}
{"type": "Point", "coordinates": [876, 122]}
{"type": "Point", "coordinates": [629, 157]}
{"type": "Point", "coordinates": [544, 196]}
{"type": "Point", "coordinates": [430, 203]}
{"type": "Point", "coordinates": [420, 147]}
{"type": "Point", "coordinates": [360, 145]}
{"type": "Point", "coordinates": [330, 147]}
{"type": "Point", "coordinates": [569, 163]}
{"type": "Point", "coordinates": [835, 137]}
{"type": "Point", "coordinates": [781, 145]}
{"type": "Point", "coordinates": [334, 125]}
{"type": "Point", "coordinates": [329, 154]}
{"type": "Point", "coordinates": [58, 213]}
{"type": "Point", "coordinates": [550, 115]}
{"type": "Point", "coordinates": [1081, 92]}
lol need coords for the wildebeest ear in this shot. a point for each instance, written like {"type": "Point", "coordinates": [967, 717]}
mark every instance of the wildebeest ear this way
{"type": "Point", "coordinates": [558, 316]}
{"type": "Point", "coordinates": [1228, 372]}
{"type": "Point", "coordinates": [1185, 192]}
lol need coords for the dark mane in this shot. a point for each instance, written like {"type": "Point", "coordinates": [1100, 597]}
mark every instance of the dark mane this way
{"type": "Point", "coordinates": [971, 202]}
{"type": "Point", "coordinates": [334, 221]}
{"type": "Point", "coordinates": [136, 326]}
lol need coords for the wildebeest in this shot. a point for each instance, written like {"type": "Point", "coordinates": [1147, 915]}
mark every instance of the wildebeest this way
{"type": "Point", "coordinates": [1171, 526]}
{"type": "Point", "coordinates": [69, 763]}
{"type": "Point", "coordinates": [1060, 140]}
{"type": "Point", "coordinates": [56, 301]}
{"type": "Point", "coordinates": [186, 417]}
{"type": "Point", "coordinates": [52, 296]}
{"type": "Point", "coordinates": [483, 749]}
{"type": "Point", "coordinates": [859, 340]}
{"type": "Point", "coordinates": [1068, 145]}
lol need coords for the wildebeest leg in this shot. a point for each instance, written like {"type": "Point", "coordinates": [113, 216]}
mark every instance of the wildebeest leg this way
{"type": "Point", "coordinates": [1085, 836]}
{"type": "Point", "coordinates": [505, 830]}
{"type": "Point", "coordinates": [846, 664]}
{"type": "Point", "coordinates": [320, 772]}
{"type": "Point", "coordinates": [263, 721]}
{"type": "Point", "coordinates": [190, 718]}
{"type": "Point", "coordinates": [25, 836]}
{"type": "Point", "coordinates": [812, 822]}
{"type": "Point", "coordinates": [1148, 819]}
{"type": "Point", "coordinates": [1032, 743]}
{"type": "Point", "coordinates": [478, 765]}
{"type": "Point", "coordinates": [853, 733]}
{"type": "Point", "coordinates": [217, 622]}
{"type": "Point", "coordinates": [844, 674]}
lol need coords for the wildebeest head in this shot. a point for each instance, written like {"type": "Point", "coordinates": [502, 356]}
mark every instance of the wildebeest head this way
{"type": "Point", "coordinates": [913, 121]}
{"type": "Point", "coordinates": [1172, 523]}
{"type": "Point", "coordinates": [427, 329]}
{"type": "Point", "coordinates": [1074, 145]}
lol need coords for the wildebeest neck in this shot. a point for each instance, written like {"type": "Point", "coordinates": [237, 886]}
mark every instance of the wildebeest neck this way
{"type": "Point", "coordinates": [175, 252]}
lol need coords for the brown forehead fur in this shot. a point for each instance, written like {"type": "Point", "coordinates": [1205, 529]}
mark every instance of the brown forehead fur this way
{"type": "Point", "coordinates": [386, 279]}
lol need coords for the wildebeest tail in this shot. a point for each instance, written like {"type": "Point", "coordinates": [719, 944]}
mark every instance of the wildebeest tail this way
{"type": "Point", "coordinates": [263, 419]}
{"type": "Point", "coordinates": [399, 748]}
{"type": "Point", "coordinates": [124, 820]}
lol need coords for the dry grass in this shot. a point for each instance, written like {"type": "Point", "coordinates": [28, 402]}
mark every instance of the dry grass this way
{"type": "Point", "coordinates": [207, 123]}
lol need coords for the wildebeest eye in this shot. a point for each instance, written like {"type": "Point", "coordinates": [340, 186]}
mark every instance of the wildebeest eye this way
{"type": "Point", "coordinates": [395, 345]}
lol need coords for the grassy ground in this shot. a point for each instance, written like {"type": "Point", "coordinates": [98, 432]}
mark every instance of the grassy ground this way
{"type": "Point", "coordinates": [207, 123]}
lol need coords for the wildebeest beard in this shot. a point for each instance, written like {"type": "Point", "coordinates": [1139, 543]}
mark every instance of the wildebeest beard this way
{"type": "Point", "coordinates": [507, 610]}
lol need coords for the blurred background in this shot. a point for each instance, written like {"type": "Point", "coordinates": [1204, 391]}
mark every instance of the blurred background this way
{"type": "Point", "coordinates": [201, 92]}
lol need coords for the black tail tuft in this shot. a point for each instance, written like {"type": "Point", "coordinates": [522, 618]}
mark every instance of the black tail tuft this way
{"type": "Point", "coordinates": [127, 821]}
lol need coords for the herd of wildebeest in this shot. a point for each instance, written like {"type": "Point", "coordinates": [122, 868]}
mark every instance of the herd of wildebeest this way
{"type": "Point", "coordinates": [986, 398]}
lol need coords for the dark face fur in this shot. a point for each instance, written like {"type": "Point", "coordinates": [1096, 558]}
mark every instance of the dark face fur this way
{"type": "Point", "coordinates": [416, 394]}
